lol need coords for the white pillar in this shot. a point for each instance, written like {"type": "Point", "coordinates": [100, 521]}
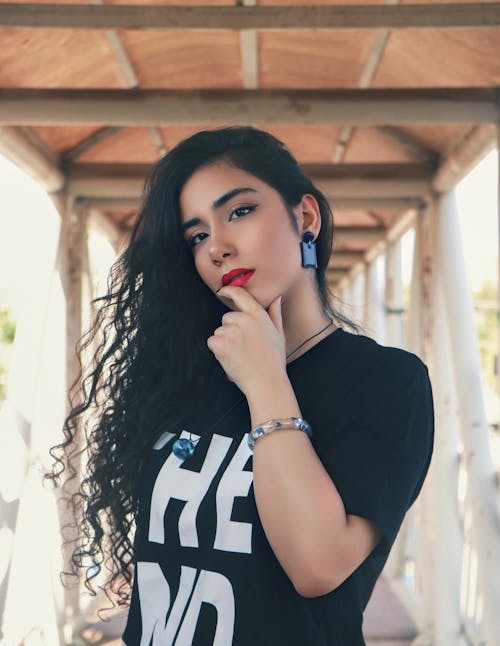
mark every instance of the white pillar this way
{"type": "Point", "coordinates": [394, 295]}
{"type": "Point", "coordinates": [481, 476]}
{"type": "Point", "coordinates": [448, 543]}
{"type": "Point", "coordinates": [347, 296]}
{"type": "Point", "coordinates": [33, 409]}
{"type": "Point", "coordinates": [419, 335]}
{"type": "Point", "coordinates": [404, 546]}
{"type": "Point", "coordinates": [374, 302]}
{"type": "Point", "coordinates": [498, 252]}
{"type": "Point", "coordinates": [419, 324]}
{"type": "Point", "coordinates": [415, 331]}
{"type": "Point", "coordinates": [71, 261]}
{"type": "Point", "coordinates": [358, 293]}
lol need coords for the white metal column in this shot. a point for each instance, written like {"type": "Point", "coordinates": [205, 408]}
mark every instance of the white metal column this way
{"type": "Point", "coordinates": [71, 267]}
{"type": "Point", "coordinates": [481, 477]}
{"type": "Point", "coordinates": [374, 302]}
{"type": "Point", "coordinates": [448, 540]}
{"type": "Point", "coordinates": [394, 294]}
{"type": "Point", "coordinates": [394, 568]}
{"type": "Point", "coordinates": [419, 338]}
{"type": "Point", "coordinates": [358, 297]}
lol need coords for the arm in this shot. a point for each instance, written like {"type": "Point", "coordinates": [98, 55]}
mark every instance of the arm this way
{"type": "Point", "coordinates": [301, 511]}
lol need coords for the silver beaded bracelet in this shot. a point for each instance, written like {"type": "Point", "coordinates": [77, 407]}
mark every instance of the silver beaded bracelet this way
{"type": "Point", "coordinates": [288, 423]}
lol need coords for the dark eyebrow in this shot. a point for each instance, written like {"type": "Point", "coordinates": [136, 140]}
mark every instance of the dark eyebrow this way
{"type": "Point", "coordinates": [220, 201]}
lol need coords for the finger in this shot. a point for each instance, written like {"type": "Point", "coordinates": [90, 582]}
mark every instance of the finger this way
{"type": "Point", "coordinates": [243, 300]}
{"type": "Point", "coordinates": [231, 318]}
{"type": "Point", "coordinates": [222, 330]}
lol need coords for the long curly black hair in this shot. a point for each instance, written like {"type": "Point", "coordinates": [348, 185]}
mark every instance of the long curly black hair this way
{"type": "Point", "coordinates": [145, 358]}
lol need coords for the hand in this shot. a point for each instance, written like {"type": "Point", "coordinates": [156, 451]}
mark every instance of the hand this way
{"type": "Point", "coordinates": [250, 343]}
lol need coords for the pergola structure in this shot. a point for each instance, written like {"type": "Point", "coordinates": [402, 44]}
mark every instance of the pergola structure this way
{"type": "Point", "coordinates": [387, 106]}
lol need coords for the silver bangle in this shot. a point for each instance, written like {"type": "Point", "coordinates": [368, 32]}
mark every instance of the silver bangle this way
{"type": "Point", "coordinates": [288, 423]}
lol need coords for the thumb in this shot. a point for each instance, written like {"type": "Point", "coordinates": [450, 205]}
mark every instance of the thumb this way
{"type": "Point", "coordinates": [274, 311]}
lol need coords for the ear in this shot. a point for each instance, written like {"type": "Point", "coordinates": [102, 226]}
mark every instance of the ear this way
{"type": "Point", "coordinates": [308, 215]}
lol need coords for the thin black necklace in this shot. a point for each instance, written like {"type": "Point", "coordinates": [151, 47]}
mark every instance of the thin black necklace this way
{"type": "Point", "coordinates": [184, 448]}
{"type": "Point", "coordinates": [311, 337]}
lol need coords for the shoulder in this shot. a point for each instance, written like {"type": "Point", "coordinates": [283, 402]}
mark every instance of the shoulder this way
{"type": "Point", "coordinates": [388, 385]}
{"type": "Point", "coordinates": [369, 358]}
{"type": "Point", "coordinates": [395, 394]}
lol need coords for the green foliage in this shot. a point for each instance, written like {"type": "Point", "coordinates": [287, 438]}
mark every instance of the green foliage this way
{"type": "Point", "coordinates": [486, 314]}
{"type": "Point", "coordinates": [7, 327]}
{"type": "Point", "coordinates": [7, 333]}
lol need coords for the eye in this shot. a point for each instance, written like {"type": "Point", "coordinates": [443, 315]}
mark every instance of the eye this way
{"type": "Point", "coordinates": [241, 211]}
{"type": "Point", "coordinates": [243, 208]}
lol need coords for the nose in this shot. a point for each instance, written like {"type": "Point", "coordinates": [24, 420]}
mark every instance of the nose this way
{"type": "Point", "coordinates": [219, 248]}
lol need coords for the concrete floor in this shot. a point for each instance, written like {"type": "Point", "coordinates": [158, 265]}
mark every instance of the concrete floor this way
{"type": "Point", "coordinates": [386, 621]}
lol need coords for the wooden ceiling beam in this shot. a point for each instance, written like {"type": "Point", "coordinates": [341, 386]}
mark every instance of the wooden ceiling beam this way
{"type": "Point", "coordinates": [464, 156]}
{"type": "Point", "coordinates": [364, 236]}
{"type": "Point", "coordinates": [417, 16]}
{"type": "Point", "coordinates": [111, 204]}
{"type": "Point", "coordinates": [88, 143]}
{"type": "Point", "coordinates": [31, 155]}
{"type": "Point", "coordinates": [380, 38]}
{"type": "Point", "coordinates": [342, 259]}
{"type": "Point", "coordinates": [334, 275]}
{"type": "Point", "coordinates": [341, 189]}
{"type": "Point", "coordinates": [319, 172]}
{"type": "Point", "coordinates": [132, 107]}
{"type": "Point", "coordinates": [337, 181]}
{"type": "Point", "coordinates": [338, 204]}
{"type": "Point", "coordinates": [379, 203]}
{"type": "Point", "coordinates": [410, 144]}
{"type": "Point", "coordinates": [158, 140]}
{"type": "Point", "coordinates": [370, 189]}
{"type": "Point", "coordinates": [249, 49]}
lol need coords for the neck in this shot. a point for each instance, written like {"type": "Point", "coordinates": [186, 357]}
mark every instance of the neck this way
{"type": "Point", "coordinates": [303, 317]}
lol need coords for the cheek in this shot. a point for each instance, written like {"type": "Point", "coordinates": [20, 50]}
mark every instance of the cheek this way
{"type": "Point", "coordinates": [280, 262]}
{"type": "Point", "coordinates": [283, 252]}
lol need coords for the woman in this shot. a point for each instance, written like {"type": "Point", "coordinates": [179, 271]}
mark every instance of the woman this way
{"type": "Point", "coordinates": [227, 531]}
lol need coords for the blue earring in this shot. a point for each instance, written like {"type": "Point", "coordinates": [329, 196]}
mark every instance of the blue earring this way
{"type": "Point", "coordinates": [308, 250]}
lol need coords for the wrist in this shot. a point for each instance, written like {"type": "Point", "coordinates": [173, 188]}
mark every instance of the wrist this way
{"type": "Point", "coordinates": [272, 398]}
{"type": "Point", "coordinates": [277, 381]}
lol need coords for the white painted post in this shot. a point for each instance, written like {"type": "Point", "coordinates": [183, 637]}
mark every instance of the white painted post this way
{"type": "Point", "coordinates": [498, 257]}
{"type": "Point", "coordinates": [415, 315]}
{"type": "Point", "coordinates": [448, 541]}
{"type": "Point", "coordinates": [419, 341]}
{"type": "Point", "coordinates": [374, 302]}
{"type": "Point", "coordinates": [481, 476]}
{"type": "Point", "coordinates": [407, 544]}
{"type": "Point", "coordinates": [394, 566]}
{"type": "Point", "coordinates": [394, 295]}
{"type": "Point", "coordinates": [71, 265]}
{"type": "Point", "coordinates": [347, 296]}
{"type": "Point", "coordinates": [420, 546]}
{"type": "Point", "coordinates": [358, 292]}
{"type": "Point", "coordinates": [30, 413]}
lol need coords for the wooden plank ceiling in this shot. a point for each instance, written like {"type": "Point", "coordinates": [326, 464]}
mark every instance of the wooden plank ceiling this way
{"type": "Point", "coordinates": [374, 164]}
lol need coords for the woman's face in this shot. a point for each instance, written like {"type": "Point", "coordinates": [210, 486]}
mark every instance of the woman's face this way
{"type": "Point", "coordinates": [235, 220]}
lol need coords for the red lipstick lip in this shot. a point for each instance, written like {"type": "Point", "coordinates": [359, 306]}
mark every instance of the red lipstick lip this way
{"type": "Point", "coordinates": [227, 278]}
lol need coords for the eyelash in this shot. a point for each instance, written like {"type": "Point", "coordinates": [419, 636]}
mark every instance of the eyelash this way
{"type": "Point", "coordinates": [240, 208]}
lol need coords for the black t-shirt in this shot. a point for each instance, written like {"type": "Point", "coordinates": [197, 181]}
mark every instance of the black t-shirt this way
{"type": "Point", "coordinates": [205, 573]}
